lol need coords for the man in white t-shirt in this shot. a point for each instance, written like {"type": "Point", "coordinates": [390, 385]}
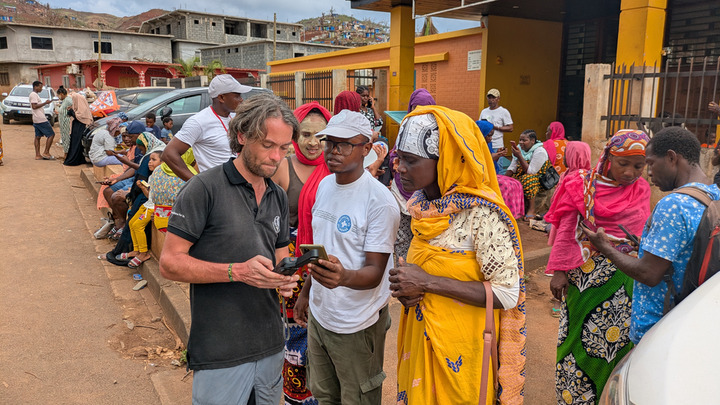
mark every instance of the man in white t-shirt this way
{"type": "Point", "coordinates": [499, 117]}
{"type": "Point", "coordinates": [40, 122]}
{"type": "Point", "coordinates": [356, 219]}
{"type": "Point", "coordinates": [207, 131]}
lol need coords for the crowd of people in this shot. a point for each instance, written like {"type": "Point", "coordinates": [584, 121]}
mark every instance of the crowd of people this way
{"type": "Point", "coordinates": [433, 221]}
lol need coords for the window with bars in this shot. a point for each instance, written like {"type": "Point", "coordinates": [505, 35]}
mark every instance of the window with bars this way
{"type": "Point", "coordinates": [4, 79]}
{"type": "Point", "coordinates": [41, 43]}
{"type": "Point", "coordinates": [106, 47]}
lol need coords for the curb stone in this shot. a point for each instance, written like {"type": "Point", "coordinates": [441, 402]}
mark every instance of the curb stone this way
{"type": "Point", "coordinates": [168, 295]}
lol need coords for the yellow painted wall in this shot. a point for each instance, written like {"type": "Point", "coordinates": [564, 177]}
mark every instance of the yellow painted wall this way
{"type": "Point", "coordinates": [528, 48]}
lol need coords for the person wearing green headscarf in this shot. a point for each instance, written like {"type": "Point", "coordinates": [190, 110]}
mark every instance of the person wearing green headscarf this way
{"type": "Point", "coordinates": [530, 162]}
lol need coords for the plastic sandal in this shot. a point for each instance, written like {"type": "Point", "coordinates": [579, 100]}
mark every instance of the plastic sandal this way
{"type": "Point", "coordinates": [135, 263]}
{"type": "Point", "coordinates": [556, 312]}
{"type": "Point", "coordinates": [123, 256]}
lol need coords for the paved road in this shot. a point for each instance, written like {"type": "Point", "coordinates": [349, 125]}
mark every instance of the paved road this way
{"type": "Point", "coordinates": [54, 331]}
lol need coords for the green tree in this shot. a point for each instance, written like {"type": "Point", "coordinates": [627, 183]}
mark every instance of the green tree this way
{"type": "Point", "coordinates": [211, 67]}
{"type": "Point", "coordinates": [187, 66]}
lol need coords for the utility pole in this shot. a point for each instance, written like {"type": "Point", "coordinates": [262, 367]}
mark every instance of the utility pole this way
{"type": "Point", "coordinates": [100, 81]}
{"type": "Point", "coordinates": [274, 34]}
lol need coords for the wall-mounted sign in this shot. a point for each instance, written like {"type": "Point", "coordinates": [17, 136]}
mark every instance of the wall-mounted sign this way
{"type": "Point", "coordinates": [474, 60]}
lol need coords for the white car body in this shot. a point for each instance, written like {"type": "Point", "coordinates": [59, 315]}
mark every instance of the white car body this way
{"type": "Point", "coordinates": [16, 105]}
{"type": "Point", "coordinates": [676, 361]}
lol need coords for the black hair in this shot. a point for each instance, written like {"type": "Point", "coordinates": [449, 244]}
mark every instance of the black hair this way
{"type": "Point", "coordinates": [62, 91]}
{"type": "Point", "coordinates": [679, 140]}
{"type": "Point", "coordinates": [362, 89]}
{"type": "Point", "coordinates": [151, 115]}
{"type": "Point", "coordinates": [158, 152]}
{"type": "Point", "coordinates": [530, 134]}
{"type": "Point", "coordinates": [37, 83]}
{"type": "Point", "coordinates": [166, 120]}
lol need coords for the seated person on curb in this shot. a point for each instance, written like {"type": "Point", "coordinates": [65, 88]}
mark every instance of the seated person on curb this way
{"type": "Point", "coordinates": [356, 219]}
{"type": "Point", "coordinates": [150, 119]}
{"type": "Point", "coordinates": [166, 132]}
{"type": "Point", "coordinates": [142, 218]}
{"type": "Point", "coordinates": [673, 162]}
{"type": "Point", "coordinates": [530, 162]}
{"type": "Point", "coordinates": [228, 229]}
{"type": "Point", "coordinates": [207, 131]}
{"type": "Point", "coordinates": [102, 149]}
{"type": "Point", "coordinates": [119, 186]}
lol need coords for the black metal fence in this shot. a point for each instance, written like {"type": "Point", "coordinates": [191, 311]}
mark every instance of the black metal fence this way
{"type": "Point", "coordinates": [251, 81]}
{"type": "Point", "coordinates": [318, 86]}
{"type": "Point", "coordinates": [648, 99]}
{"type": "Point", "coordinates": [284, 87]}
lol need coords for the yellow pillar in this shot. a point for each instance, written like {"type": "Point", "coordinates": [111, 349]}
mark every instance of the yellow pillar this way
{"type": "Point", "coordinates": [402, 60]}
{"type": "Point", "coordinates": [640, 36]}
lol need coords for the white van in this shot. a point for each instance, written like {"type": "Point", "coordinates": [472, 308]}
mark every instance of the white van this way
{"type": "Point", "coordinates": [676, 361]}
{"type": "Point", "coordinates": [16, 105]}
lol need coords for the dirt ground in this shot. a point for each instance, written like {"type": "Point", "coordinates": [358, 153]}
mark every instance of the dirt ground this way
{"type": "Point", "coordinates": [64, 338]}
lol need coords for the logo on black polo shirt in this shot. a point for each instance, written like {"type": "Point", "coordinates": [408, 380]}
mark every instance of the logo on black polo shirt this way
{"type": "Point", "coordinates": [276, 224]}
{"type": "Point", "coordinates": [344, 223]}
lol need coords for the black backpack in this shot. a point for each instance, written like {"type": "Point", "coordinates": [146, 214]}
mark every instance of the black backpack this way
{"type": "Point", "coordinates": [705, 258]}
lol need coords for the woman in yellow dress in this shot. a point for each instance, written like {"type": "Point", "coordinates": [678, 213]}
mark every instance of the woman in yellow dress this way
{"type": "Point", "coordinates": [464, 234]}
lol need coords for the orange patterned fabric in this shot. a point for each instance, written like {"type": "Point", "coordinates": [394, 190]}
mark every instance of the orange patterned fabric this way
{"type": "Point", "coordinates": [559, 164]}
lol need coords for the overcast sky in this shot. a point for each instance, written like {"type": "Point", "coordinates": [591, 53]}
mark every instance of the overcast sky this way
{"type": "Point", "coordinates": [287, 10]}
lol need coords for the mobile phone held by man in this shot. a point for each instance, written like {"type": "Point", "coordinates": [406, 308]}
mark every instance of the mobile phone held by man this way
{"type": "Point", "coordinates": [289, 265]}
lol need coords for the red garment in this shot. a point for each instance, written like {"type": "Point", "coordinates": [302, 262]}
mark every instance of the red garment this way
{"type": "Point", "coordinates": [347, 100]}
{"type": "Point", "coordinates": [309, 190]}
{"type": "Point", "coordinates": [577, 155]}
{"type": "Point", "coordinates": [557, 132]}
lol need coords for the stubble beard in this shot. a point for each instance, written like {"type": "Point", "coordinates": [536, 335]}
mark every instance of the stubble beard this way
{"type": "Point", "coordinates": [255, 168]}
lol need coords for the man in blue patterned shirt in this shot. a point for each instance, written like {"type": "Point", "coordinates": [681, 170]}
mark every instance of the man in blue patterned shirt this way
{"type": "Point", "coordinates": [673, 162]}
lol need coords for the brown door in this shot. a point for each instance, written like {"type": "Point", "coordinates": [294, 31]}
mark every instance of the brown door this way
{"type": "Point", "coordinates": [129, 81]}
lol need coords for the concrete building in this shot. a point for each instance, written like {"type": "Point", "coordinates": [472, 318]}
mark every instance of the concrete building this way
{"type": "Point", "coordinates": [24, 46]}
{"type": "Point", "coordinates": [193, 30]}
{"type": "Point", "coordinates": [257, 54]}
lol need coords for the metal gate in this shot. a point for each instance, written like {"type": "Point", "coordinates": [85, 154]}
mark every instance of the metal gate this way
{"type": "Point", "coordinates": [318, 86]}
{"type": "Point", "coordinates": [284, 87]}
{"type": "Point", "coordinates": [648, 99]}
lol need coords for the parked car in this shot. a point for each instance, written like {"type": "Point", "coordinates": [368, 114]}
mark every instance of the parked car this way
{"type": "Point", "coordinates": [676, 361]}
{"type": "Point", "coordinates": [132, 97]}
{"type": "Point", "coordinates": [179, 104]}
{"type": "Point", "coordinates": [16, 105]}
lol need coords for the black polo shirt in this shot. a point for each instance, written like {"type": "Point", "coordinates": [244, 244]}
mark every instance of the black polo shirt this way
{"type": "Point", "coordinates": [232, 323]}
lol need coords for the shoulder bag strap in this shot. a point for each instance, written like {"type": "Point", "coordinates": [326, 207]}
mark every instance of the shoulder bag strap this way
{"type": "Point", "coordinates": [489, 346]}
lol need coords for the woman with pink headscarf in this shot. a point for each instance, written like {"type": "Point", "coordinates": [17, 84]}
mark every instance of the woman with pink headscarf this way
{"type": "Point", "coordinates": [556, 145]}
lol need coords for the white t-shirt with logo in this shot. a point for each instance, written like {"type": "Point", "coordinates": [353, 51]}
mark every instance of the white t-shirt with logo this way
{"type": "Point", "coordinates": [38, 114]}
{"type": "Point", "coordinates": [499, 117]}
{"type": "Point", "coordinates": [349, 220]}
{"type": "Point", "coordinates": [207, 134]}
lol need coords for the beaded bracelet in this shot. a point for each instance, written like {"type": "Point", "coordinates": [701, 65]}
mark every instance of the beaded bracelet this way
{"type": "Point", "coordinates": [230, 272]}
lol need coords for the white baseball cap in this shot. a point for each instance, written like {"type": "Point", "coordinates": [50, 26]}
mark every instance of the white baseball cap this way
{"type": "Point", "coordinates": [347, 124]}
{"type": "Point", "coordinates": [224, 84]}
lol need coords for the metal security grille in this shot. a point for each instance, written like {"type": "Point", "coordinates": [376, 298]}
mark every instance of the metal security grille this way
{"type": "Point", "coordinates": [317, 86]}
{"type": "Point", "coordinates": [648, 99]}
{"type": "Point", "coordinates": [284, 87]}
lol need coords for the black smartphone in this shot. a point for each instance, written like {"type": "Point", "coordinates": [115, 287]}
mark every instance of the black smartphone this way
{"type": "Point", "coordinates": [370, 102]}
{"type": "Point", "coordinates": [634, 239]}
{"type": "Point", "coordinates": [587, 224]}
{"type": "Point", "coordinates": [289, 265]}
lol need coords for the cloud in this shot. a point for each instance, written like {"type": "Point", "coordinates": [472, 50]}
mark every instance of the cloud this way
{"type": "Point", "coordinates": [287, 10]}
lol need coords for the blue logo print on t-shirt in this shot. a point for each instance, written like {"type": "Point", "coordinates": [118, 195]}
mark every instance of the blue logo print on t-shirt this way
{"type": "Point", "coordinates": [344, 223]}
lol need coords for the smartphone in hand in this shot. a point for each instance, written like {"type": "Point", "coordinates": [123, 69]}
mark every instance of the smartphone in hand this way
{"type": "Point", "coordinates": [588, 225]}
{"type": "Point", "coordinates": [634, 239]}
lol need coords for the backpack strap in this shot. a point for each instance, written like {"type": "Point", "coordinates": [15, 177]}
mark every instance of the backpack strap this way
{"type": "Point", "coordinates": [696, 193]}
{"type": "Point", "coordinates": [671, 296]}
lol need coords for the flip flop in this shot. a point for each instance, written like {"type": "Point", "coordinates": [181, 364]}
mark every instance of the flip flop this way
{"type": "Point", "coordinates": [135, 263]}
{"type": "Point", "coordinates": [556, 312]}
{"type": "Point", "coordinates": [48, 157]}
{"type": "Point", "coordinates": [527, 218]}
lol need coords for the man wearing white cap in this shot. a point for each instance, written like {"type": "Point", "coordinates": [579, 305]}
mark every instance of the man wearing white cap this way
{"type": "Point", "coordinates": [207, 131]}
{"type": "Point", "coordinates": [356, 219]}
{"type": "Point", "coordinates": [499, 117]}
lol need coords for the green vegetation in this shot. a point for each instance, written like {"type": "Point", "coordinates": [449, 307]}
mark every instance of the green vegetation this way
{"type": "Point", "coordinates": [187, 66]}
